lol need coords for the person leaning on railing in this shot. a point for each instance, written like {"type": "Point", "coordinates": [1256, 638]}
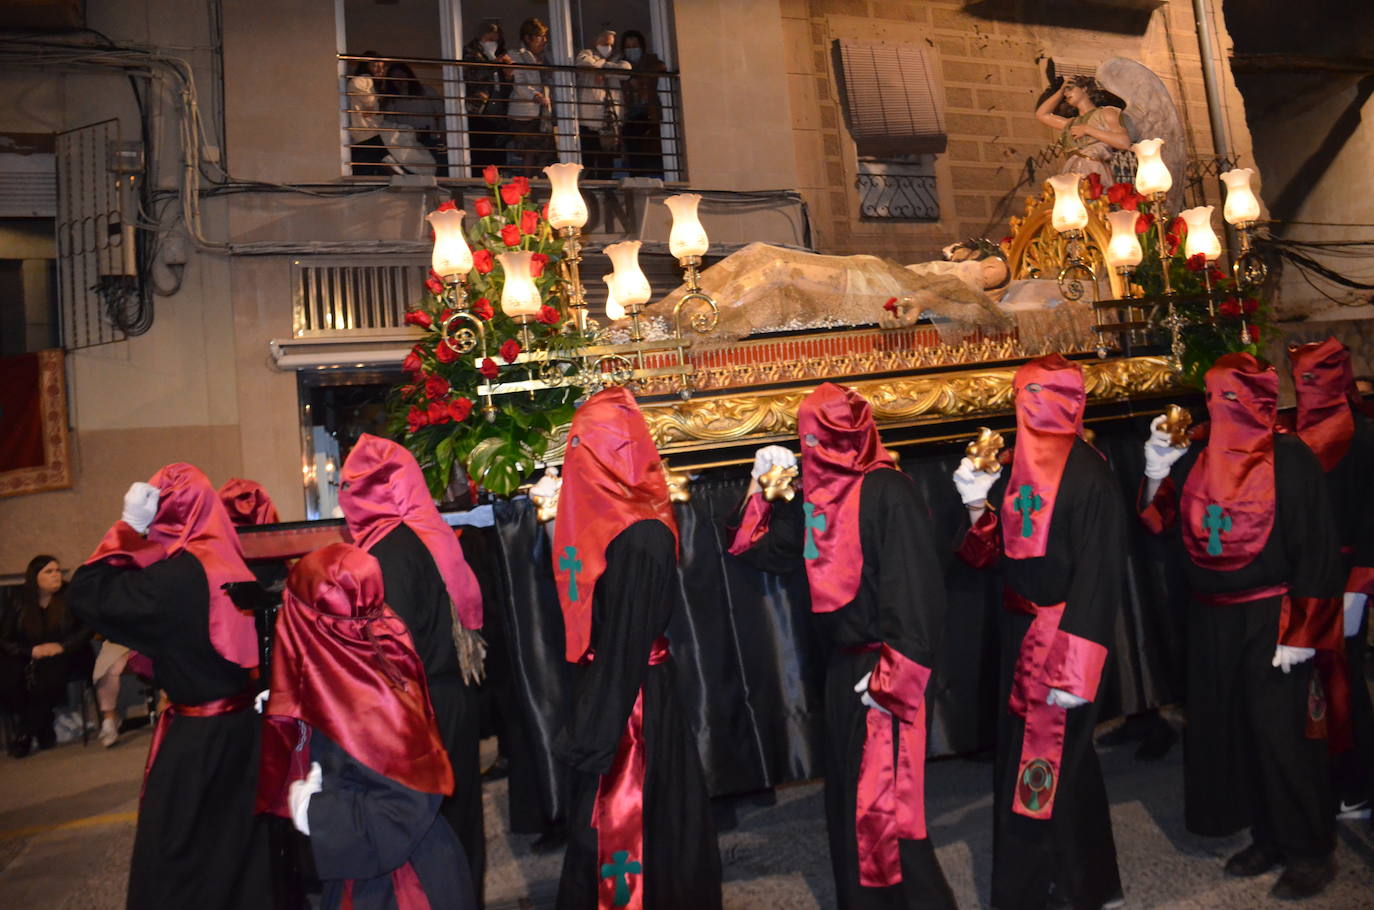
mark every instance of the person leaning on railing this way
{"type": "Point", "coordinates": [367, 151]}
{"type": "Point", "coordinates": [598, 106]}
{"type": "Point", "coordinates": [643, 108]}
{"type": "Point", "coordinates": [417, 112]}
{"type": "Point", "coordinates": [530, 110]}
{"type": "Point", "coordinates": [488, 87]}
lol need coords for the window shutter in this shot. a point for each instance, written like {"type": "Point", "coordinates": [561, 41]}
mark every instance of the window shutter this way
{"type": "Point", "coordinates": [890, 98]}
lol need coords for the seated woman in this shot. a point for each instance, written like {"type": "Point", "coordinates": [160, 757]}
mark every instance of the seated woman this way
{"type": "Point", "coordinates": [351, 752]}
{"type": "Point", "coordinates": [42, 646]}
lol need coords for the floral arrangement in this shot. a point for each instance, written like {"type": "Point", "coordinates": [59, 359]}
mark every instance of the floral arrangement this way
{"type": "Point", "coordinates": [438, 413]}
{"type": "Point", "coordinates": [1239, 314]}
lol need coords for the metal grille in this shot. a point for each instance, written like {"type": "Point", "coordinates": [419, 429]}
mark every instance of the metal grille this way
{"type": "Point", "coordinates": [1201, 168]}
{"type": "Point", "coordinates": [93, 271]}
{"type": "Point", "coordinates": [898, 190]}
{"type": "Point", "coordinates": [338, 295]}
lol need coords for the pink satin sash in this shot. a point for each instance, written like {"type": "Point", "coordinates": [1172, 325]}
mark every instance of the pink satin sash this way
{"type": "Point", "coordinates": [405, 884]}
{"type": "Point", "coordinates": [231, 705]}
{"type": "Point", "coordinates": [1042, 743]}
{"type": "Point", "coordinates": [618, 813]}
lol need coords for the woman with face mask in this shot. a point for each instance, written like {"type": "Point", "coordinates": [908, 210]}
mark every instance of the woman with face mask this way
{"type": "Point", "coordinates": [643, 108]}
{"type": "Point", "coordinates": [531, 107]}
{"type": "Point", "coordinates": [599, 105]}
{"type": "Point", "coordinates": [486, 89]}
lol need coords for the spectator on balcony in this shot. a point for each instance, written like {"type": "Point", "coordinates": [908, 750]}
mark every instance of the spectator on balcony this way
{"type": "Point", "coordinates": [531, 109]}
{"type": "Point", "coordinates": [417, 112]}
{"type": "Point", "coordinates": [599, 106]}
{"type": "Point", "coordinates": [643, 108]}
{"type": "Point", "coordinates": [367, 151]}
{"type": "Point", "coordinates": [488, 88]}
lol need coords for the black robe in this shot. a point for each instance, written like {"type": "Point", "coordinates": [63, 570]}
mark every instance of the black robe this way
{"type": "Point", "coordinates": [198, 843]}
{"type": "Point", "coordinates": [900, 603]}
{"type": "Point", "coordinates": [631, 606]}
{"type": "Point", "coordinates": [1073, 852]}
{"type": "Point", "coordinates": [1351, 484]}
{"type": "Point", "coordinates": [1247, 759]}
{"type": "Point", "coordinates": [364, 825]}
{"type": "Point", "coordinates": [416, 591]}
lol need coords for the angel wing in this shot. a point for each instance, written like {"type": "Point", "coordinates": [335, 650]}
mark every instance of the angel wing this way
{"type": "Point", "coordinates": [1150, 114]}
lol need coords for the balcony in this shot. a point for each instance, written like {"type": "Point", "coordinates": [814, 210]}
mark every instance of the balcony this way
{"type": "Point", "coordinates": [447, 119]}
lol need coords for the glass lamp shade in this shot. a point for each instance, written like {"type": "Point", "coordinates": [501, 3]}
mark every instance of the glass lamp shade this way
{"type": "Point", "coordinates": [688, 237]}
{"type": "Point", "coordinates": [1069, 213]}
{"type": "Point", "coordinates": [1151, 174]}
{"type": "Point", "coordinates": [519, 295]}
{"type": "Point", "coordinates": [451, 254]}
{"type": "Point", "coordinates": [1241, 205]}
{"type": "Point", "coordinates": [1123, 250]}
{"type": "Point", "coordinates": [1201, 238]}
{"type": "Point", "coordinates": [567, 208]}
{"type": "Point", "coordinates": [631, 287]}
{"type": "Point", "coordinates": [614, 311]}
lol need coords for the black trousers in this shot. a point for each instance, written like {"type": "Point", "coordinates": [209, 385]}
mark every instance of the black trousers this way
{"type": "Point", "coordinates": [598, 164]}
{"type": "Point", "coordinates": [32, 690]}
{"type": "Point", "coordinates": [1353, 768]}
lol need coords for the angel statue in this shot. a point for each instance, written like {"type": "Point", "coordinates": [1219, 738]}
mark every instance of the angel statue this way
{"type": "Point", "coordinates": [1099, 115]}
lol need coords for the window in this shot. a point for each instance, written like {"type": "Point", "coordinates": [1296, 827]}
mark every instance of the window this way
{"type": "Point", "coordinates": [898, 188]}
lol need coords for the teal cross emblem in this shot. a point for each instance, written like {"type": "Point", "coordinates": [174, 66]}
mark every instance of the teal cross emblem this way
{"type": "Point", "coordinates": [620, 869]}
{"type": "Point", "coordinates": [572, 565]}
{"type": "Point", "coordinates": [1026, 502]}
{"type": "Point", "coordinates": [815, 523]}
{"type": "Point", "coordinates": [1215, 524]}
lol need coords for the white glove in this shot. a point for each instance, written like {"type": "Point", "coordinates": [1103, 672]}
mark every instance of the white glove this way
{"type": "Point", "coordinates": [973, 485]}
{"type": "Point", "coordinates": [1354, 611]}
{"type": "Point", "coordinates": [770, 457]}
{"type": "Point", "coordinates": [1159, 454]}
{"type": "Point", "coordinates": [1061, 699]}
{"type": "Point", "coordinates": [298, 797]}
{"type": "Point", "coordinates": [862, 688]}
{"type": "Point", "coordinates": [140, 506]}
{"type": "Point", "coordinates": [1286, 658]}
{"type": "Point", "coordinates": [260, 701]}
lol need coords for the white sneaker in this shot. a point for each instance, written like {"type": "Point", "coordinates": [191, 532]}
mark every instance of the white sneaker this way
{"type": "Point", "coordinates": [109, 732]}
{"type": "Point", "coordinates": [1357, 809]}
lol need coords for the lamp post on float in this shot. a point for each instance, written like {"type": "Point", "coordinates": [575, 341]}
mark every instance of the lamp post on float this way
{"type": "Point", "coordinates": [451, 260]}
{"type": "Point", "coordinates": [1241, 212]}
{"type": "Point", "coordinates": [568, 215]}
{"type": "Point", "coordinates": [1152, 179]}
{"type": "Point", "coordinates": [520, 298]}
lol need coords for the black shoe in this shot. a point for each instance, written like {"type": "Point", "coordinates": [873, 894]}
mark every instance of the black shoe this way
{"type": "Point", "coordinates": [47, 739]}
{"type": "Point", "coordinates": [1124, 733]}
{"type": "Point", "coordinates": [1305, 878]}
{"type": "Point", "coordinates": [549, 841]}
{"type": "Point", "coordinates": [20, 747]}
{"type": "Point", "coordinates": [1253, 860]}
{"type": "Point", "coordinates": [1158, 742]}
{"type": "Point", "coordinates": [498, 769]}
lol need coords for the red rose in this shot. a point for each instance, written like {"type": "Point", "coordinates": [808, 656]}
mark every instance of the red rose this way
{"type": "Point", "coordinates": [510, 194]}
{"type": "Point", "coordinates": [544, 211]}
{"type": "Point", "coordinates": [891, 305]}
{"type": "Point", "coordinates": [444, 352]}
{"type": "Point", "coordinates": [1229, 307]}
{"type": "Point", "coordinates": [415, 419]}
{"type": "Point", "coordinates": [1196, 263]}
{"type": "Point", "coordinates": [1254, 334]}
{"type": "Point", "coordinates": [434, 286]}
{"type": "Point", "coordinates": [1216, 274]}
{"type": "Point", "coordinates": [1143, 222]}
{"type": "Point", "coordinates": [407, 391]}
{"type": "Point", "coordinates": [1251, 305]}
{"type": "Point", "coordinates": [549, 315]}
{"type": "Point", "coordinates": [522, 184]}
{"type": "Point", "coordinates": [483, 207]}
{"type": "Point", "coordinates": [1094, 185]}
{"type": "Point", "coordinates": [489, 368]}
{"type": "Point", "coordinates": [437, 413]}
{"type": "Point", "coordinates": [459, 409]}
{"type": "Point", "coordinates": [436, 387]}
{"type": "Point", "coordinates": [413, 363]}
{"type": "Point", "coordinates": [490, 176]}
{"type": "Point", "coordinates": [529, 222]}
{"type": "Point", "coordinates": [446, 315]}
{"type": "Point", "coordinates": [419, 317]}
{"type": "Point", "coordinates": [482, 261]}
{"type": "Point", "coordinates": [510, 235]}
{"type": "Point", "coordinates": [510, 350]}
{"type": "Point", "coordinates": [481, 308]}
{"type": "Point", "coordinates": [448, 205]}
{"type": "Point", "coordinates": [1118, 193]}
{"type": "Point", "coordinates": [537, 263]}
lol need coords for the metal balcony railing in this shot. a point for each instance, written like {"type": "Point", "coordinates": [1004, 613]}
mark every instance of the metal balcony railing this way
{"type": "Point", "coordinates": [452, 118]}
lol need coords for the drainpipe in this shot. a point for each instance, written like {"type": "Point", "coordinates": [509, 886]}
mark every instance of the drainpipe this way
{"type": "Point", "coordinates": [1221, 145]}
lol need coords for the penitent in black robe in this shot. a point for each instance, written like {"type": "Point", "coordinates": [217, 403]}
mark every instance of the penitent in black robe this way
{"type": "Point", "coordinates": [1351, 484]}
{"type": "Point", "coordinates": [1247, 758]}
{"type": "Point", "coordinates": [415, 590]}
{"type": "Point", "coordinates": [900, 603]}
{"type": "Point", "coordinates": [631, 606]}
{"type": "Point", "coordinates": [198, 843]}
{"type": "Point", "coordinates": [364, 825]}
{"type": "Point", "coordinates": [1073, 853]}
